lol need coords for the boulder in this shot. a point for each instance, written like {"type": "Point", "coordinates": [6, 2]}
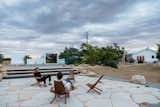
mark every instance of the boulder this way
{"type": "Point", "coordinates": [91, 74]}
{"type": "Point", "coordinates": [87, 73]}
{"type": "Point", "coordinates": [138, 79]}
{"type": "Point", "coordinates": [145, 104]}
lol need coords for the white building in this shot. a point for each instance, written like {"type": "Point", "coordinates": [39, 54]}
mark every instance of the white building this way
{"type": "Point", "coordinates": [148, 55]}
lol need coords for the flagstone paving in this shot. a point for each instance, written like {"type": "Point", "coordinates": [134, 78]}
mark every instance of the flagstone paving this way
{"type": "Point", "coordinates": [20, 93]}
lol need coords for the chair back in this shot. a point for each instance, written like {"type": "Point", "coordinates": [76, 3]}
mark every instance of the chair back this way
{"type": "Point", "coordinates": [71, 74]}
{"type": "Point", "coordinates": [98, 80]}
{"type": "Point", "coordinates": [59, 87]}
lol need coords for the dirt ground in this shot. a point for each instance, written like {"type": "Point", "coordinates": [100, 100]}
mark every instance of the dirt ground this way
{"type": "Point", "coordinates": [125, 71]}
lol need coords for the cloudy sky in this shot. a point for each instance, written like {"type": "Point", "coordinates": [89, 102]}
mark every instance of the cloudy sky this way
{"type": "Point", "coordinates": [38, 26]}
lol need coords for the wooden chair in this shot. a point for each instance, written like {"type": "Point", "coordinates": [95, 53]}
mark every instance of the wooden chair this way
{"type": "Point", "coordinates": [93, 86]}
{"type": "Point", "coordinates": [71, 75]}
{"type": "Point", "coordinates": [37, 83]}
{"type": "Point", "coordinates": [58, 90]}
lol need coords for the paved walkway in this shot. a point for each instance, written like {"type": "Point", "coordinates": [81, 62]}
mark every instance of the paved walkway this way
{"type": "Point", "coordinates": [20, 93]}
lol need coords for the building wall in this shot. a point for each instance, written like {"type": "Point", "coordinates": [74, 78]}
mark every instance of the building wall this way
{"type": "Point", "coordinates": [17, 58]}
{"type": "Point", "coordinates": [148, 54]}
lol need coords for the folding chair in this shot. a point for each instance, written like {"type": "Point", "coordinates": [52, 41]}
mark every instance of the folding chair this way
{"type": "Point", "coordinates": [58, 90]}
{"type": "Point", "coordinates": [93, 86]}
{"type": "Point", "coordinates": [71, 75]}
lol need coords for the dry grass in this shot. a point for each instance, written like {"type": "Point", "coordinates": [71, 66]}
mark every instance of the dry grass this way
{"type": "Point", "coordinates": [150, 71]}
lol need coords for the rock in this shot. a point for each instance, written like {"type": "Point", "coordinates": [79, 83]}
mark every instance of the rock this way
{"type": "Point", "coordinates": [138, 79]}
{"type": "Point", "coordinates": [91, 74]}
{"type": "Point", "coordinates": [84, 71]}
{"type": "Point", "coordinates": [145, 104]}
{"type": "Point", "coordinates": [87, 73]}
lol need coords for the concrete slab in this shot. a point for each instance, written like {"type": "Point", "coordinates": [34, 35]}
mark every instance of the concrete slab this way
{"type": "Point", "coordinates": [72, 102]}
{"type": "Point", "coordinates": [123, 103]}
{"type": "Point", "coordinates": [99, 103]}
{"type": "Point", "coordinates": [140, 98]}
{"type": "Point", "coordinates": [8, 99]}
{"type": "Point", "coordinates": [3, 105]}
{"type": "Point", "coordinates": [20, 93]}
{"type": "Point", "coordinates": [122, 100]}
{"type": "Point", "coordinates": [85, 97]}
{"type": "Point", "coordinates": [14, 104]}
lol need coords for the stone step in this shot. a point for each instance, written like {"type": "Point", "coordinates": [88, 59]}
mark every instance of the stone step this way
{"type": "Point", "coordinates": [42, 71]}
{"type": "Point", "coordinates": [31, 75]}
{"type": "Point", "coordinates": [31, 69]}
{"type": "Point", "coordinates": [27, 72]}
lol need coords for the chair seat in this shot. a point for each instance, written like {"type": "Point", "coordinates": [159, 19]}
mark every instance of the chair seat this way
{"type": "Point", "coordinates": [62, 93]}
{"type": "Point", "coordinates": [39, 80]}
{"type": "Point", "coordinates": [53, 91]}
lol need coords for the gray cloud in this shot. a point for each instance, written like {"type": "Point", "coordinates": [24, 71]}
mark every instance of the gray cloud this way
{"type": "Point", "coordinates": [50, 25]}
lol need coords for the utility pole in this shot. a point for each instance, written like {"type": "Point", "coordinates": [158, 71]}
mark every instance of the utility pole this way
{"type": "Point", "coordinates": [87, 36]}
{"type": "Point", "coordinates": [43, 59]}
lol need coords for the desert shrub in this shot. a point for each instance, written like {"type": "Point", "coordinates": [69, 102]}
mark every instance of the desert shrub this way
{"type": "Point", "coordinates": [131, 60]}
{"type": "Point", "coordinates": [140, 61]}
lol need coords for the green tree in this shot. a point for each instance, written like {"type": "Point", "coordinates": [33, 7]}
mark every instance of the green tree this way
{"type": "Point", "coordinates": [26, 57]}
{"type": "Point", "coordinates": [71, 55]}
{"type": "Point", "coordinates": [158, 52]}
{"type": "Point", "coordinates": [1, 58]}
{"type": "Point", "coordinates": [90, 54]}
{"type": "Point", "coordinates": [109, 55]}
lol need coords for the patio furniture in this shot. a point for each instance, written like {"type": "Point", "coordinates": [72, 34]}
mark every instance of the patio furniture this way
{"type": "Point", "coordinates": [93, 86]}
{"type": "Point", "coordinates": [59, 90]}
{"type": "Point", "coordinates": [71, 75]}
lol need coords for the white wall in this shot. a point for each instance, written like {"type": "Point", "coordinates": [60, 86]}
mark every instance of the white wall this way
{"type": "Point", "coordinates": [17, 58]}
{"type": "Point", "coordinates": [147, 55]}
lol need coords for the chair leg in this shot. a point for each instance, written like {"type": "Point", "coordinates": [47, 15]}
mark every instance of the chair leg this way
{"type": "Point", "coordinates": [53, 99]}
{"type": "Point", "coordinates": [68, 95]}
{"type": "Point", "coordinates": [98, 89]}
{"type": "Point", "coordinates": [94, 90]}
{"type": "Point", "coordinates": [89, 90]}
{"type": "Point", "coordinates": [65, 98]}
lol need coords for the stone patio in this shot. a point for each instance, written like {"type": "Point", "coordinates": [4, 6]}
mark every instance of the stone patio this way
{"type": "Point", "coordinates": [20, 93]}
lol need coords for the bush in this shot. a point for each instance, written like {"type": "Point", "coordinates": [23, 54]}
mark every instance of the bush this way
{"type": "Point", "coordinates": [111, 64]}
{"type": "Point", "coordinates": [71, 55]}
{"type": "Point", "coordinates": [131, 60]}
{"type": "Point", "coordinates": [140, 61]}
{"type": "Point", "coordinates": [155, 62]}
